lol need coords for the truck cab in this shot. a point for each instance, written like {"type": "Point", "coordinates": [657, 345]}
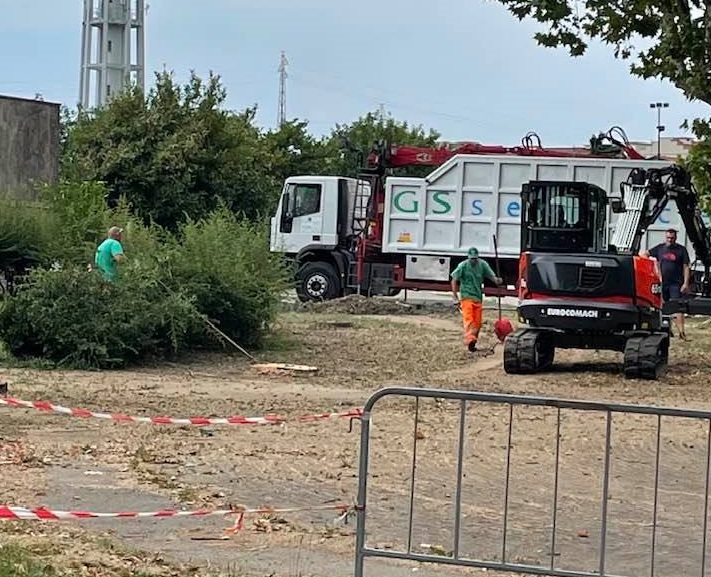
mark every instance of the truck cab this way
{"type": "Point", "coordinates": [316, 223]}
{"type": "Point", "coordinates": [307, 214]}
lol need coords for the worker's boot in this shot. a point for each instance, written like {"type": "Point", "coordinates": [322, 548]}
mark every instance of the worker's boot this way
{"type": "Point", "coordinates": [472, 347]}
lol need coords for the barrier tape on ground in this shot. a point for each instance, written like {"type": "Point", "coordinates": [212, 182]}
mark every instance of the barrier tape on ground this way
{"type": "Point", "coordinates": [42, 514]}
{"type": "Point", "coordinates": [158, 420]}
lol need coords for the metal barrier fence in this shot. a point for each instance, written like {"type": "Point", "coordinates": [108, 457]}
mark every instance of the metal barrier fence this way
{"type": "Point", "coordinates": [582, 488]}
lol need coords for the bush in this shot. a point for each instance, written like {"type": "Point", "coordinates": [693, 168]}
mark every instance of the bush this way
{"type": "Point", "coordinates": [225, 264]}
{"type": "Point", "coordinates": [73, 318]}
{"type": "Point", "coordinates": [65, 227]}
{"type": "Point", "coordinates": [219, 268]}
{"type": "Point", "coordinates": [25, 235]}
{"type": "Point", "coordinates": [81, 219]}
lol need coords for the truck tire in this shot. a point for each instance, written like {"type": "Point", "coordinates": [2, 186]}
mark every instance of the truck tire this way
{"type": "Point", "coordinates": [317, 281]}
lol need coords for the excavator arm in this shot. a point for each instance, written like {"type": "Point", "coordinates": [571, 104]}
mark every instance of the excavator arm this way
{"type": "Point", "coordinates": [659, 186]}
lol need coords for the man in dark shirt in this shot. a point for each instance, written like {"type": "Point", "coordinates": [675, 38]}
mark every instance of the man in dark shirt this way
{"type": "Point", "coordinates": [674, 264]}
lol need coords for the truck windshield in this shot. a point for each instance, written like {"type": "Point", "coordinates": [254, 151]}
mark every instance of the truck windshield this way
{"type": "Point", "coordinates": [303, 199]}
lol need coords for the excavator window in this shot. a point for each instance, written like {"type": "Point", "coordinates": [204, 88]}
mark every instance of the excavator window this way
{"type": "Point", "coordinates": [563, 217]}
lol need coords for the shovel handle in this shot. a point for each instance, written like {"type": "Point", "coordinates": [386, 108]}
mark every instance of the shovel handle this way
{"type": "Point", "coordinates": [496, 256]}
{"type": "Point", "coordinates": [498, 271]}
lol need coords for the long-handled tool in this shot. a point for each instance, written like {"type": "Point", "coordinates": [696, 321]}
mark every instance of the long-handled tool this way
{"type": "Point", "coordinates": [262, 367]}
{"type": "Point", "coordinates": [210, 324]}
{"type": "Point", "coordinates": [503, 326]}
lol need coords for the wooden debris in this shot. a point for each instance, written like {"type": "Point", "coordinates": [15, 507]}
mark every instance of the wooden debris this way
{"type": "Point", "coordinates": [267, 368]}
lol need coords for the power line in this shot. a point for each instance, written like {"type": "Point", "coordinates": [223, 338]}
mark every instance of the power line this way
{"type": "Point", "coordinates": [378, 100]}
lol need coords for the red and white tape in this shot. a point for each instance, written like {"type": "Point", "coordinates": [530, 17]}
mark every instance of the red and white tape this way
{"type": "Point", "coordinates": [159, 420]}
{"type": "Point", "coordinates": [42, 514]}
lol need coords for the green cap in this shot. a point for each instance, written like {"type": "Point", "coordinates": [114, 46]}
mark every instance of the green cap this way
{"type": "Point", "coordinates": [473, 253]}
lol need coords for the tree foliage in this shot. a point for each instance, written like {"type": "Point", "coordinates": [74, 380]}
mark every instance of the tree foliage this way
{"type": "Point", "coordinates": [176, 153]}
{"type": "Point", "coordinates": [699, 164]}
{"type": "Point", "coordinates": [677, 35]}
{"type": "Point", "coordinates": [669, 40]}
{"type": "Point", "coordinates": [172, 153]}
{"type": "Point", "coordinates": [359, 137]}
{"type": "Point", "coordinates": [295, 151]}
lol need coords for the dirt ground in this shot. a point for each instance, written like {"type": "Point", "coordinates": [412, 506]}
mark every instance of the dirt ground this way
{"type": "Point", "coordinates": [64, 463]}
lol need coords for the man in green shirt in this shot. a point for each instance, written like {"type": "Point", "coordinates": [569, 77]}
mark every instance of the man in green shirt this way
{"type": "Point", "coordinates": [468, 278]}
{"type": "Point", "coordinates": [109, 253]}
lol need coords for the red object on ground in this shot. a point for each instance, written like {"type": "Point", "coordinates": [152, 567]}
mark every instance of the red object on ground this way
{"type": "Point", "coordinates": [503, 328]}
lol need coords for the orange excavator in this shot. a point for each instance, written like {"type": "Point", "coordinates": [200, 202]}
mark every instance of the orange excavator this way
{"type": "Point", "coordinates": [577, 292]}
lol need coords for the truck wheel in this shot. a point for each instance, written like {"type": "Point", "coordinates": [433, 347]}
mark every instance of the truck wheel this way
{"type": "Point", "coordinates": [317, 281]}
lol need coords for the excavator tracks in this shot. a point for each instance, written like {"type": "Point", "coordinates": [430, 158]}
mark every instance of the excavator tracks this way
{"type": "Point", "coordinates": [528, 351]}
{"type": "Point", "coordinates": [646, 356]}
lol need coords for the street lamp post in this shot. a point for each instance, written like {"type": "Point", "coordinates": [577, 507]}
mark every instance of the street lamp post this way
{"type": "Point", "coordinates": [660, 126]}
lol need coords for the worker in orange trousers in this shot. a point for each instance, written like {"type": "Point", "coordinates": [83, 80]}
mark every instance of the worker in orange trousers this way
{"type": "Point", "coordinates": [467, 281]}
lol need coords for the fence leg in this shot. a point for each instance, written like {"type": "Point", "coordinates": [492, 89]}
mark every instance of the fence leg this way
{"type": "Point", "coordinates": [362, 490]}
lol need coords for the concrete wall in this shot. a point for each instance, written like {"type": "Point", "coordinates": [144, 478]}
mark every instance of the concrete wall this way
{"type": "Point", "coordinates": [29, 145]}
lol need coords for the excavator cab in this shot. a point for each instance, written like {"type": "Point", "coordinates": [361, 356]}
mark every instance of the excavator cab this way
{"type": "Point", "coordinates": [564, 254]}
{"type": "Point", "coordinates": [563, 217]}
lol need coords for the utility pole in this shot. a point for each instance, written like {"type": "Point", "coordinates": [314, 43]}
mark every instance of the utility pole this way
{"type": "Point", "coordinates": [281, 118]}
{"type": "Point", "coordinates": [660, 126]}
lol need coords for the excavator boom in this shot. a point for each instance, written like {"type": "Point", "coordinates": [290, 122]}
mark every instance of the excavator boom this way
{"type": "Point", "coordinates": [658, 186]}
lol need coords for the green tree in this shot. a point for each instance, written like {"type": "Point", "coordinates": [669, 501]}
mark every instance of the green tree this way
{"type": "Point", "coordinates": [677, 34]}
{"type": "Point", "coordinates": [677, 46]}
{"type": "Point", "coordinates": [174, 152]}
{"type": "Point", "coordinates": [67, 155]}
{"type": "Point", "coordinates": [356, 140]}
{"type": "Point", "coordinates": [294, 151]}
{"type": "Point", "coordinates": [252, 178]}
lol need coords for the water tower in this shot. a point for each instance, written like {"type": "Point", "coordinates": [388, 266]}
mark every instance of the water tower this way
{"type": "Point", "coordinates": [112, 49]}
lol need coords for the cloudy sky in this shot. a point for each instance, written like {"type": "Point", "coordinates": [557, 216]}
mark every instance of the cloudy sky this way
{"type": "Point", "coordinates": [465, 67]}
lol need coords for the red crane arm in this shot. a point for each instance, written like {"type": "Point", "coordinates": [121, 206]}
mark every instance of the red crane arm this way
{"type": "Point", "coordinates": [398, 156]}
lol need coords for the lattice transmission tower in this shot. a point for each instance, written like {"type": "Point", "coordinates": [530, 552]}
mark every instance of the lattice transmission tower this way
{"type": "Point", "coordinates": [281, 118]}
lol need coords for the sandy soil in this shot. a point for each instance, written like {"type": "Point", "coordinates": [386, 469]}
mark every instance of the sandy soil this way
{"type": "Point", "coordinates": [69, 463]}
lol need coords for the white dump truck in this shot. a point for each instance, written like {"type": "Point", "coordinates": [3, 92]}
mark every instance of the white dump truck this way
{"type": "Point", "coordinates": [377, 234]}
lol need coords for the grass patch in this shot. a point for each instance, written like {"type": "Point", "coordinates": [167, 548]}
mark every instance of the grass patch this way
{"type": "Point", "coordinates": [22, 561]}
{"type": "Point", "coordinates": [18, 562]}
{"type": "Point", "coordinates": [281, 339]}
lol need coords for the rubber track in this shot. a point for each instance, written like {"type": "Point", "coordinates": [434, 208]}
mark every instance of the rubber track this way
{"type": "Point", "coordinates": [519, 352]}
{"type": "Point", "coordinates": [644, 357]}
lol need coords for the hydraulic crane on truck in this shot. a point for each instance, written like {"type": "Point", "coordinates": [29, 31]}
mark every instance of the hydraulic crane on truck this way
{"type": "Point", "coordinates": [577, 292]}
{"type": "Point", "coordinates": [605, 144]}
{"type": "Point", "coordinates": [368, 207]}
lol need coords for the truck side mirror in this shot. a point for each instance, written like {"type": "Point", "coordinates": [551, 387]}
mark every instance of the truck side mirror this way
{"type": "Point", "coordinates": [286, 218]}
